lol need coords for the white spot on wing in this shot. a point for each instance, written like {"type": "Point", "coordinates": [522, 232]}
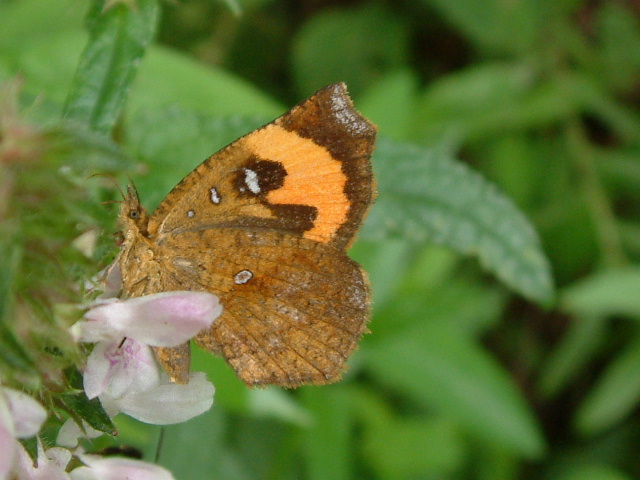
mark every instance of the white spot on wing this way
{"type": "Point", "coordinates": [251, 180]}
{"type": "Point", "coordinates": [215, 197]}
{"type": "Point", "coordinates": [191, 213]}
{"type": "Point", "coordinates": [242, 277]}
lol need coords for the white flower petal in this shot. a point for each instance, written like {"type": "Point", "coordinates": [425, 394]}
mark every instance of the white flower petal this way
{"type": "Point", "coordinates": [58, 456]}
{"type": "Point", "coordinates": [6, 418]}
{"type": "Point", "coordinates": [112, 281]}
{"type": "Point", "coordinates": [83, 473]}
{"type": "Point", "coordinates": [113, 468]}
{"type": "Point", "coordinates": [28, 415]}
{"type": "Point", "coordinates": [7, 452]}
{"type": "Point", "coordinates": [70, 432]}
{"type": "Point", "coordinates": [97, 373]}
{"type": "Point", "coordinates": [24, 468]}
{"type": "Point", "coordinates": [97, 330]}
{"type": "Point", "coordinates": [164, 319]}
{"type": "Point", "coordinates": [119, 368]}
{"type": "Point", "coordinates": [170, 403]}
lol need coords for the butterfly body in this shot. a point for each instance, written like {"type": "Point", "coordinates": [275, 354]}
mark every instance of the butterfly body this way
{"type": "Point", "coordinates": [264, 224]}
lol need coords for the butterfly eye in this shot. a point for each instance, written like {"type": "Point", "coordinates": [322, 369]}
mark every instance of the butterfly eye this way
{"type": "Point", "coordinates": [134, 214]}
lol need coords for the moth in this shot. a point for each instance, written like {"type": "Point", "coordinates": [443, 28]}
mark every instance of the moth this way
{"type": "Point", "coordinates": [265, 224]}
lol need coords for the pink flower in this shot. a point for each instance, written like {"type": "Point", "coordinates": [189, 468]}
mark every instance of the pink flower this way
{"type": "Point", "coordinates": [162, 320]}
{"type": "Point", "coordinates": [113, 468]}
{"type": "Point", "coordinates": [20, 417]}
{"type": "Point", "coordinates": [50, 465]}
{"type": "Point", "coordinates": [122, 370]}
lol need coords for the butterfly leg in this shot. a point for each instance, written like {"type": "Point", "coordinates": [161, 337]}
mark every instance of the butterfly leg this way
{"type": "Point", "coordinates": [176, 361]}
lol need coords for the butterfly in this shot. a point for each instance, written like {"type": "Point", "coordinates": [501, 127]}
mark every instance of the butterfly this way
{"type": "Point", "coordinates": [265, 224]}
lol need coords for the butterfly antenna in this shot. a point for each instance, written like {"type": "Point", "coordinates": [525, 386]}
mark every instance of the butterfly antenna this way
{"type": "Point", "coordinates": [115, 182]}
{"type": "Point", "coordinates": [132, 186]}
{"type": "Point", "coordinates": [107, 202]}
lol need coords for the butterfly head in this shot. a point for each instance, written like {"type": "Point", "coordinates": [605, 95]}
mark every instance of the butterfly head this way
{"type": "Point", "coordinates": [133, 216]}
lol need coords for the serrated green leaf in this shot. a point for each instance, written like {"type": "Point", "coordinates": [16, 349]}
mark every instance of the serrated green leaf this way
{"type": "Point", "coordinates": [441, 369]}
{"type": "Point", "coordinates": [119, 38]}
{"type": "Point", "coordinates": [426, 195]}
{"type": "Point", "coordinates": [615, 395]}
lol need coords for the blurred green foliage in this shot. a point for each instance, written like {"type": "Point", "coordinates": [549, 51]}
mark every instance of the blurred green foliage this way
{"type": "Point", "coordinates": [477, 367]}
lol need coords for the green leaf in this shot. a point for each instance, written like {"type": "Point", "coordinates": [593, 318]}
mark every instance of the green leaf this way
{"type": "Point", "coordinates": [439, 368]}
{"type": "Point", "coordinates": [411, 447]}
{"type": "Point", "coordinates": [425, 195]}
{"type": "Point", "coordinates": [27, 22]}
{"type": "Point", "coordinates": [89, 410]}
{"type": "Point", "coordinates": [390, 103]}
{"type": "Point", "coordinates": [13, 356]}
{"type": "Point", "coordinates": [572, 354]}
{"type": "Point", "coordinates": [615, 395]}
{"type": "Point", "coordinates": [405, 446]}
{"type": "Point", "coordinates": [354, 45]}
{"type": "Point", "coordinates": [201, 449]}
{"type": "Point", "coordinates": [79, 405]}
{"type": "Point", "coordinates": [511, 27]}
{"type": "Point", "coordinates": [168, 78]}
{"type": "Point", "coordinates": [618, 32]}
{"type": "Point", "coordinates": [385, 263]}
{"type": "Point", "coordinates": [31, 446]}
{"type": "Point", "coordinates": [573, 471]}
{"type": "Point", "coordinates": [277, 404]}
{"type": "Point", "coordinates": [433, 288]}
{"type": "Point", "coordinates": [119, 38]}
{"type": "Point", "coordinates": [326, 442]}
{"type": "Point", "coordinates": [489, 99]}
{"type": "Point", "coordinates": [606, 293]}
{"type": "Point", "coordinates": [231, 394]}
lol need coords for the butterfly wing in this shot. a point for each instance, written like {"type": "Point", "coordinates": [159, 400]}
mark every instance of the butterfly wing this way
{"type": "Point", "coordinates": [293, 308]}
{"type": "Point", "coordinates": [264, 224]}
{"type": "Point", "coordinates": [306, 173]}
